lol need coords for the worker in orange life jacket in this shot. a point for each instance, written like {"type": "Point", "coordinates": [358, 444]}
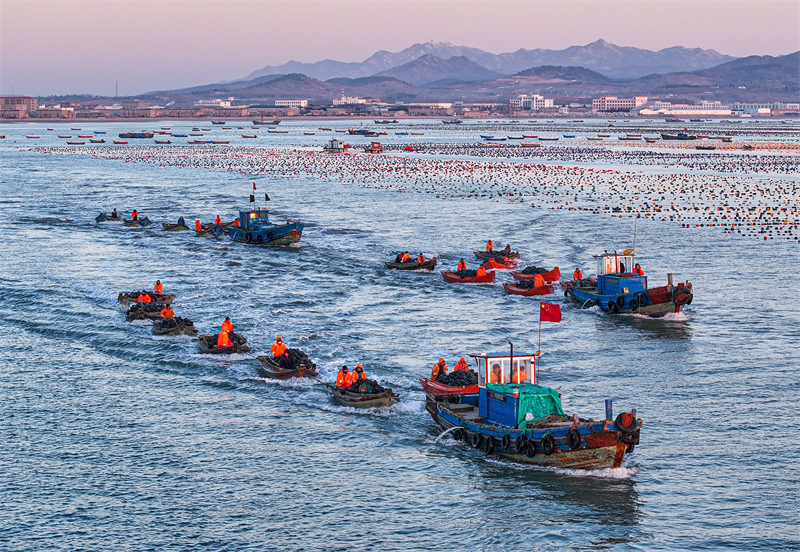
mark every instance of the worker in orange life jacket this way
{"type": "Point", "coordinates": [144, 297]}
{"type": "Point", "coordinates": [217, 220]}
{"type": "Point", "coordinates": [461, 365]}
{"type": "Point", "coordinates": [135, 214]}
{"type": "Point", "coordinates": [358, 374]}
{"type": "Point", "coordinates": [538, 281]}
{"type": "Point", "coordinates": [439, 369]}
{"type": "Point", "coordinates": [489, 246]}
{"type": "Point", "coordinates": [197, 226]}
{"type": "Point", "coordinates": [406, 257]}
{"type": "Point", "coordinates": [577, 275]}
{"type": "Point", "coordinates": [227, 325]}
{"type": "Point", "coordinates": [481, 271]}
{"type": "Point", "coordinates": [421, 258]}
{"type": "Point", "coordinates": [278, 348]}
{"type": "Point", "coordinates": [223, 340]}
{"type": "Point", "coordinates": [158, 287]}
{"type": "Point", "coordinates": [462, 265]}
{"type": "Point", "coordinates": [638, 270]}
{"type": "Point", "coordinates": [343, 377]}
{"type": "Point", "coordinates": [167, 312]}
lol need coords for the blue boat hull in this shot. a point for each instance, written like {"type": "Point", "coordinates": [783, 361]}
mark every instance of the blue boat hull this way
{"type": "Point", "coordinates": [268, 234]}
{"type": "Point", "coordinates": [638, 302]}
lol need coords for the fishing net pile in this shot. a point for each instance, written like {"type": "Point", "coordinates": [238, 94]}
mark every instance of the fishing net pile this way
{"type": "Point", "coordinates": [461, 378]}
{"type": "Point", "coordinates": [466, 273]}
{"type": "Point", "coordinates": [298, 357]}
{"type": "Point", "coordinates": [139, 311]}
{"type": "Point", "coordinates": [176, 321]}
{"type": "Point", "coordinates": [534, 270]}
{"type": "Point", "coordinates": [366, 386]}
{"type": "Point", "coordinates": [527, 284]}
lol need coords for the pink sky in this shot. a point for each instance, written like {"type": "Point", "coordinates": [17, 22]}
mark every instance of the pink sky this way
{"type": "Point", "coordinates": [61, 47]}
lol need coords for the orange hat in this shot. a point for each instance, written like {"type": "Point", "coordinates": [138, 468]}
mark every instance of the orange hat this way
{"type": "Point", "coordinates": [358, 365]}
{"type": "Point", "coordinates": [461, 359]}
{"type": "Point", "coordinates": [441, 360]}
{"type": "Point", "coordinates": [277, 338]}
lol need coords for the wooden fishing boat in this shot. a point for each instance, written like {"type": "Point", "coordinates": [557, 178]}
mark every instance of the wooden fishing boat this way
{"type": "Point", "coordinates": [208, 345]}
{"type": "Point", "coordinates": [141, 222]}
{"type": "Point", "coordinates": [86, 136]}
{"type": "Point", "coordinates": [267, 368]}
{"type": "Point", "coordinates": [364, 400]}
{"type": "Point", "coordinates": [144, 311]}
{"type": "Point", "coordinates": [210, 231]}
{"type": "Point", "coordinates": [255, 228]}
{"type": "Point", "coordinates": [119, 143]}
{"type": "Point", "coordinates": [101, 141]}
{"type": "Point", "coordinates": [127, 298]}
{"type": "Point", "coordinates": [32, 137]}
{"type": "Point", "coordinates": [136, 134]}
{"type": "Point", "coordinates": [163, 142]}
{"type": "Point", "coordinates": [75, 143]}
{"type": "Point", "coordinates": [548, 276]}
{"type": "Point", "coordinates": [168, 227]}
{"type": "Point", "coordinates": [454, 278]}
{"type": "Point", "coordinates": [440, 389]}
{"type": "Point", "coordinates": [525, 422]}
{"type": "Point", "coordinates": [102, 217]}
{"type": "Point", "coordinates": [493, 264]}
{"type": "Point", "coordinates": [64, 136]}
{"type": "Point", "coordinates": [430, 264]}
{"type": "Point", "coordinates": [174, 326]}
{"type": "Point", "coordinates": [530, 136]}
{"type": "Point", "coordinates": [249, 136]}
{"type": "Point", "coordinates": [514, 289]}
{"type": "Point", "coordinates": [220, 142]}
{"type": "Point", "coordinates": [617, 291]}
{"type": "Point", "coordinates": [496, 255]}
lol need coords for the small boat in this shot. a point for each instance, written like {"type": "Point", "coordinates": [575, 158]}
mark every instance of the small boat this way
{"type": "Point", "coordinates": [120, 143]}
{"type": "Point", "coordinates": [521, 289]}
{"type": "Point", "coordinates": [208, 345]}
{"type": "Point", "coordinates": [136, 134]}
{"type": "Point", "coordinates": [60, 136]}
{"type": "Point", "coordinates": [174, 326]}
{"type": "Point", "coordinates": [568, 135]}
{"type": "Point", "coordinates": [262, 122]}
{"type": "Point", "coordinates": [515, 137]}
{"type": "Point", "coordinates": [196, 142]}
{"type": "Point", "coordinates": [705, 147]}
{"type": "Point", "coordinates": [140, 222]}
{"type": "Point", "coordinates": [249, 136]}
{"type": "Point", "coordinates": [102, 217]}
{"type": "Point", "coordinates": [309, 133]}
{"type": "Point", "coordinates": [525, 422]}
{"type": "Point", "coordinates": [593, 138]}
{"type": "Point", "coordinates": [453, 122]}
{"type": "Point", "coordinates": [86, 136]}
{"type": "Point", "coordinates": [454, 278]}
{"type": "Point", "coordinates": [430, 264]}
{"type": "Point", "coordinates": [177, 227]}
{"type": "Point", "coordinates": [32, 137]}
{"type": "Point", "coordinates": [493, 138]}
{"type": "Point", "coordinates": [364, 400]}
{"type": "Point", "coordinates": [210, 231]}
{"type": "Point", "coordinates": [179, 136]}
{"type": "Point", "coordinates": [73, 128]}
{"type": "Point", "coordinates": [680, 136]}
{"type": "Point", "coordinates": [496, 255]}
{"type": "Point", "coordinates": [650, 140]}
{"type": "Point", "coordinates": [603, 135]}
{"type": "Point", "coordinates": [220, 141]}
{"type": "Point", "coordinates": [128, 298]}
{"type": "Point", "coordinates": [217, 122]}
{"type": "Point", "coordinates": [325, 129]}
{"type": "Point", "coordinates": [256, 228]}
{"type": "Point", "coordinates": [530, 272]}
{"type": "Point", "coordinates": [75, 143]}
{"type": "Point", "coordinates": [494, 264]}
{"type": "Point", "coordinates": [101, 141]}
{"type": "Point", "coordinates": [417, 133]}
{"type": "Point", "coordinates": [195, 134]}
{"type": "Point", "coordinates": [144, 311]}
{"type": "Point", "coordinates": [440, 389]}
{"type": "Point", "coordinates": [617, 291]}
{"type": "Point", "coordinates": [548, 138]}
{"type": "Point", "coordinates": [269, 369]}
{"type": "Point", "coordinates": [163, 142]}
{"type": "Point", "coordinates": [401, 133]}
{"type": "Point", "coordinates": [529, 136]}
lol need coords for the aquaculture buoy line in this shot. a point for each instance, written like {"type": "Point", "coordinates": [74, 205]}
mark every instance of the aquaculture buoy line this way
{"type": "Point", "coordinates": [751, 206]}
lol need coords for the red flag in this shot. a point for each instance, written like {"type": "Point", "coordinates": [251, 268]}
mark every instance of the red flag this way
{"type": "Point", "coordinates": [548, 312]}
{"type": "Point", "coordinates": [254, 186]}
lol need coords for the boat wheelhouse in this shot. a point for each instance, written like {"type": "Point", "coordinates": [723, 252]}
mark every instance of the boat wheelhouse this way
{"type": "Point", "coordinates": [518, 419]}
{"type": "Point", "coordinates": [617, 289]}
{"type": "Point", "coordinates": [255, 227]}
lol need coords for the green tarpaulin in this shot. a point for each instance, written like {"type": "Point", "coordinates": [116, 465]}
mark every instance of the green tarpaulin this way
{"type": "Point", "coordinates": [539, 401]}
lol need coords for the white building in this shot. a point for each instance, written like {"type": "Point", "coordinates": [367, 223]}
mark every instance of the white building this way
{"type": "Point", "coordinates": [669, 109]}
{"type": "Point", "coordinates": [214, 103]}
{"type": "Point", "coordinates": [291, 103]}
{"type": "Point", "coordinates": [349, 100]}
{"type": "Point", "coordinates": [762, 108]}
{"type": "Point", "coordinates": [612, 103]}
{"type": "Point", "coordinates": [533, 101]}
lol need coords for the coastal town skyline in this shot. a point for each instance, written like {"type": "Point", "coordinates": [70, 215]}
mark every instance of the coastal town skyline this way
{"type": "Point", "coordinates": [146, 46]}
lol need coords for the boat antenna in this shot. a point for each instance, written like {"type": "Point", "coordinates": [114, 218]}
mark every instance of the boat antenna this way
{"type": "Point", "coordinates": [634, 235]}
{"type": "Point", "coordinates": [511, 365]}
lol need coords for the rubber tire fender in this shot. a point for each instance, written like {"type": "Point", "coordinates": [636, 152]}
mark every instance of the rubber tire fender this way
{"type": "Point", "coordinates": [270, 235]}
{"type": "Point", "coordinates": [519, 444]}
{"type": "Point", "coordinates": [475, 440]}
{"type": "Point", "coordinates": [488, 445]}
{"type": "Point", "coordinates": [548, 444]}
{"type": "Point", "coordinates": [569, 293]}
{"type": "Point", "coordinates": [259, 239]}
{"type": "Point", "coordinates": [642, 299]}
{"type": "Point", "coordinates": [634, 304]}
{"type": "Point", "coordinates": [506, 442]}
{"type": "Point", "coordinates": [249, 237]}
{"type": "Point", "coordinates": [612, 307]}
{"type": "Point", "coordinates": [689, 298]}
{"type": "Point", "coordinates": [620, 301]}
{"type": "Point", "coordinates": [625, 428]}
{"type": "Point", "coordinates": [457, 434]}
{"type": "Point", "coordinates": [530, 448]}
{"type": "Point", "coordinates": [574, 439]}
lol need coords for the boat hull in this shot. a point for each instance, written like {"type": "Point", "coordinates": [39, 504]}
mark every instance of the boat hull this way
{"type": "Point", "coordinates": [527, 292]}
{"type": "Point", "coordinates": [272, 235]}
{"type": "Point", "coordinates": [412, 265]}
{"type": "Point", "coordinates": [159, 328]}
{"type": "Point", "coordinates": [358, 400]}
{"type": "Point", "coordinates": [213, 231]}
{"type": "Point", "coordinates": [493, 264]}
{"type": "Point", "coordinates": [208, 345]}
{"type": "Point", "coordinates": [131, 298]}
{"type": "Point", "coordinates": [173, 227]}
{"type": "Point", "coordinates": [454, 278]}
{"type": "Point", "coordinates": [653, 302]}
{"type": "Point", "coordinates": [550, 276]}
{"type": "Point", "coordinates": [439, 389]}
{"type": "Point", "coordinates": [268, 369]}
{"type": "Point", "coordinates": [139, 222]}
{"type": "Point", "coordinates": [497, 255]}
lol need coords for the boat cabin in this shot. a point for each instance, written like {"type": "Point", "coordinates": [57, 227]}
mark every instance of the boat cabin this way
{"type": "Point", "coordinates": [374, 147]}
{"type": "Point", "coordinates": [614, 276]}
{"type": "Point", "coordinates": [335, 146]}
{"type": "Point", "coordinates": [254, 219]}
{"type": "Point", "coordinates": [508, 395]}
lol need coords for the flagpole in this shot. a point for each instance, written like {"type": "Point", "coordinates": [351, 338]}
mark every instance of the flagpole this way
{"type": "Point", "coordinates": [539, 351]}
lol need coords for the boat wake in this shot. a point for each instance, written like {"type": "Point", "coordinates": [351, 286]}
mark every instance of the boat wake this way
{"type": "Point", "coordinates": [280, 311]}
{"type": "Point", "coordinates": [677, 316]}
{"type": "Point", "coordinates": [606, 473]}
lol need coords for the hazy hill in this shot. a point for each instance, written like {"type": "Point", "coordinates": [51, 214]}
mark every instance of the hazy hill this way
{"type": "Point", "coordinates": [386, 88]}
{"type": "Point", "coordinates": [430, 68]}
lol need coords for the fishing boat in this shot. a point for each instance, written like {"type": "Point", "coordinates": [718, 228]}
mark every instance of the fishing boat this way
{"type": "Point", "coordinates": [269, 369]}
{"type": "Point", "coordinates": [208, 345]}
{"type": "Point", "coordinates": [680, 136]}
{"type": "Point", "coordinates": [136, 134]}
{"type": "Point", "coordinates": [256, 228]}
{"type": "Point", "coordinates": [495, 264]}
{"type": "Point", "coordinates": [249, 136]}
{"type": "Point", "coordinates": [548, 138]}
{"type": "Point", "coordinates": [401, 133]}
{"type": "Point", "coordinates": [593, 138]}
{"type": "Point", "coordinates": [451, 391]}
{"type": "Point", "coordinates": [618, 291]}
{"type": "Point", "coordinates": [99, 131]}
{"type": "Point", "coordinates": [521, 289]}
{"type": "Point", "coordinates": [454, 278]}
{"type": "Point", "coordinates": [262, 122]}
{"type": "Point", "coordinates": [568, 135]}
{"type": "Point", "coordinates": [101, 141]}
{"type": "Point", "coordinates": [496, 255]}
{"type": "Point", "coordinates": [525, 422]}
{"type": "Point", "coordinates": [64, 136]}
{"type": "Point", "coordinates": [529, 136]}
{"type": "Point", "coordinates": [119, 143]}
{"type": "Point", "coordinates": [144, 311]}
{"type": "Point", "coordinates": [179, 136]}
{"type": "Point", "coordinates": [430, 264]}
{"type": "Point", "coordinates": [140, 222]}
{"type": "Point", "coordinates": [75, 143]}
{"type": "Point", "coordinates": [86, 136]}
{"type": "Point", "coordinates": [174, 326]}
{"type": "Point", "coordinates": [650, 140]}
{"type": "Point", "coordinates": [530, 272]}
{"type": "Point", "coordinates": [31, 136]}
{"type": "Point", "coordinates": [217, 122]}
{"type": "Point", "coordinates": [102, 217]}
{"type": "Point", "coordinates": [163, 142]}
{"type": "Point", "coordinates": [343, 397]}
{"type": "Point", "coordinates": [706, 147]}
{"type": "Point", "coordinates": [210, 231]}
{"type": "Point", "coordinates": [177, 227]}
{"type": "Point", "coordinates": [131, 297]}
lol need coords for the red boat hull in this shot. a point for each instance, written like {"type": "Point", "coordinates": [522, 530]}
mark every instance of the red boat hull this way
{"type": "Point", "coordinates": [433, 388]}
{"type": "Point", "coordinates": [453, 278]}
{"type": "Point", "coordinates": [541, 290]}
{"type": "Point", "coordinates": [549, 277]}
{"type": "Point", "coordinates": [493, 264]}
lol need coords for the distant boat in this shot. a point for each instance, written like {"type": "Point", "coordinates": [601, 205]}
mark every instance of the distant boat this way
{"type": "Point", "coordinates": [309, 133]}
{"type": "Point", "coordinates": [401, 133]}
{"type": "Point", "coordinates": [180, 135]}
{"type": "Point", "coordinates": [417, 134]}
{"type": "Point", "coordinates": [101, 141]}
{"type": "Point", "coordinates": [198, 142]}
{"type": "Point", "coordinates": [87, 136]}
{"type": "Point", "coordinates": [32, 137]}
{"type": "Point", "coordinates": [64, 136]}
{"type": "Point", "coordinates": [548, 138]}
{"type": "Point", "coordinates": [569, 136]}
{"type": "Point", "coordinates": [163, 142]}
{"type": "Point", "coordinates": [220, 142]}
{"type": "Point", "coordinates": [262, 122]}
{"type": "Point", "coordinates": [217, 122]}
{"type": "Point", "coordinates": [453, 122]}
{"type": "Point", "coordinates": [99, 131]}
{"type": "Point", "coordinates": [136, 134]}
{"type": "Point", "coordinates": [120, 143]}
{"type": "Point", "coordinates": [249, 136]}
{"type": "Point", "coordinates": [76, 143]}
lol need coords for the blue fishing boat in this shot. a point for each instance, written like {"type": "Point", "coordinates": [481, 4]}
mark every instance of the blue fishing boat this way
{"type": "Point", "coordinates": [180, 135]}
{"type": "Point", "coordinates": [618, 290]}
{"type": "Point", "coordinates": [255, 227]}
{"type": "Point", "coordinates": [136, 134]}
{"type": "Point", "coordinates": [522, 421]}
{"type": "Point", "coordinates": [99, 131]}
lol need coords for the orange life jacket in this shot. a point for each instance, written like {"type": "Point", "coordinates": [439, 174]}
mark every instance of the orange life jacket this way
{"type": "Point", "coordinates": [481, 271]}
{"type": "Point", "coordinates": [462, 265]}
{"type": "Point", "coordinates": [496, 378]}
{"type": "Point", "coordinates": [538, 281]}
{"type": "Point", "coordinates": [577, 275]}
{"type": "Point", "coordinates": [158, 288]}
{"type": "Point", "coordinates": [342, 378]}
{"type": "Point", "coordinates": [167, 312]}
{"type": "Point", "coordinates": [638, 270]}
{"type": "Point", "coordinates": [277, 349]}
{"type": "Point", "coordinates": [198, 226]}
{"type": "Point", "coordinates": [462, 365]}
{"type": "Point", "coordinates": [406, 257]}
{"type": "Point", "coordinates": [438, 369]}
{"type": "Point", "coordinates": [223, 340]}
{"type": "Point", "coordinates": [421, 258]}
{"type": "Point", "coordinates": [227, 326]}
{"type": "Point", "coordinates": [217, 220]}
{"type": "Point", "coordinates": [236, 222]}
{"type": "Point", "coordinates": [134, 214]}
{"type": "Point", "coordinates": [489, 246]}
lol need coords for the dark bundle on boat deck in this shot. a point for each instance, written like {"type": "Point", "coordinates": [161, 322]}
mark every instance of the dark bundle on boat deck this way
{"type": "Point", "coordinates": [175, 322]}
{"type": "Point", "coordinates": [525, 284]}
{"type": "Point", "coordinates": [466, 273]}
{"type": "Point", "coordinates": [462, 378]}
{"type": "Point", "coordinates": [140, 311]}
{"type": "Point", "coordinates": [298, 357]}
{"type": "Point", "coordinates": [366, 386]}
{"type": "Point", "coordinates": [534, 270]}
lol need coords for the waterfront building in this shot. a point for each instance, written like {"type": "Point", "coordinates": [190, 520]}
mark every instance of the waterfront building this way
{"type": "Point", "coordinates": [533, 102]}
{"type": "Point", "coordinates": [764, 108]}
{"type": "Point", "coordinates": [668, 109]}
{"type": "Point", "coordinates": [612, 103]}
{"type": "Point", "coordinates": [214, 103]}
{"type": "Point", "coordinates": [349, 100]}
{"type": "Point", "coordinates": [16, 107]}
{"type": "Point", "coordinates": [291, 103]}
